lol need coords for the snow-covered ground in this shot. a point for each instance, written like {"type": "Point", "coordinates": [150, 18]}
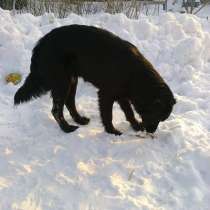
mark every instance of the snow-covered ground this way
{"type": "Point", "coordinates": [205, 12]}
{"type": "Point", "coordinates": [42, 168]}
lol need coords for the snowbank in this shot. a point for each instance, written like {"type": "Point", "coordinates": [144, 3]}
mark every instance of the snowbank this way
{"type": "Point", "coordinates": [41, 168]}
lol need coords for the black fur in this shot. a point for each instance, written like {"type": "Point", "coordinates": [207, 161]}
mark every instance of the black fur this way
{"type": "Point", "coordinates": [32, 87]}
{"type": "Point", "coordinates": [114, 66]}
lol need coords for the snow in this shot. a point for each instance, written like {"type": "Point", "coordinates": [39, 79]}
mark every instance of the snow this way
{"type": "Point", "coordinates": [42, 168]}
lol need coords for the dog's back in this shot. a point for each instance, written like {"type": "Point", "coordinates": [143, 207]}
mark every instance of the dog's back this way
{"type": "Point", "coordinates": [96, 55]}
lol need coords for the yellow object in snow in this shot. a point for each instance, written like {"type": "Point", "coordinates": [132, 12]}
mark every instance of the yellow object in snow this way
{"type": "Point", "coordinates": [15, 78]}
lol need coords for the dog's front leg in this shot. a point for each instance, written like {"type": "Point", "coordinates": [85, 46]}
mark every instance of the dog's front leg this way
{"type": "Point", "coordinates": [129, 114]}
{"type": "Point", "coordinates": [105, 106]}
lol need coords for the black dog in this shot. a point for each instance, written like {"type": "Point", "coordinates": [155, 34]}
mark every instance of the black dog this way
{"type": "Point", "coordinates": [114, 66]}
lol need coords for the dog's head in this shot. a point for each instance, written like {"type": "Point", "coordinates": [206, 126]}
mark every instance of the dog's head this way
{"type": "Point", "coordinates": [156, 109]}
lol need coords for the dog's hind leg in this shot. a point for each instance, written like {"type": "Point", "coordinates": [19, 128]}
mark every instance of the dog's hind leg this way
{"type": "Point", "coordinates": [105, 106]}
{"type": "Point", "coordinates": [57, 110]}
{"type": "Point", "coordinates": [70, 103]}
{"type": "Point", "coordinates": [129, 114]}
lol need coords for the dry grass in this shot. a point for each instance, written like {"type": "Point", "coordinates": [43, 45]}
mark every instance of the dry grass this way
{"type": "Point", "coordinates": [61, 8]}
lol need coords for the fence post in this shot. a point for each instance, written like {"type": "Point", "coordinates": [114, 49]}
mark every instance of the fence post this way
{"type": "Point", "coordinates": [13, 7]}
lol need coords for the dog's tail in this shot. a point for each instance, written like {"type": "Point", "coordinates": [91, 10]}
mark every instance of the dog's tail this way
{"type": "Point", "coordinates": [33, 87]}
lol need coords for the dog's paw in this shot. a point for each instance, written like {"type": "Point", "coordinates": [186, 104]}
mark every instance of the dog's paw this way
{"type": "Point", "coordinates": [68, 128]}
{"type": "Point", "coordinates": [82, 120]}
{"type": "Point", "coordinates": [137, 126]}
{"type": "Point", "coordinates": [114, 131]}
